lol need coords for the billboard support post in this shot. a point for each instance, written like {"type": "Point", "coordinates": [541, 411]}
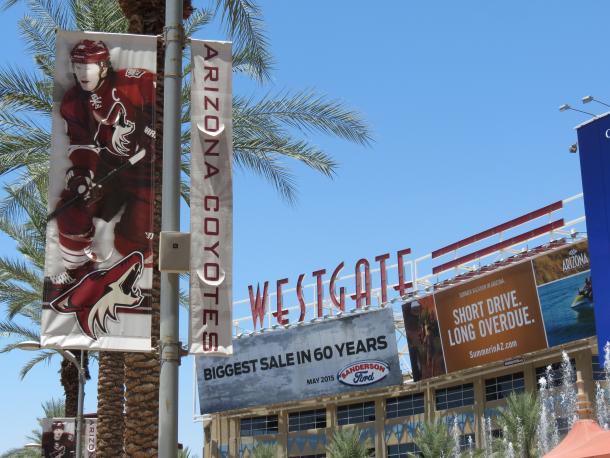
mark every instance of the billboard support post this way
{"type": "Point", "coordinates": [169, 346]}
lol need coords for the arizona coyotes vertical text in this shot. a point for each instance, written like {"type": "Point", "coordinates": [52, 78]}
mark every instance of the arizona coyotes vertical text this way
{"type": "Point", "coordinates": [211, 200]}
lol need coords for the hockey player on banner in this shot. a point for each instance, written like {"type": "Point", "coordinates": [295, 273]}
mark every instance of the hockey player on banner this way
{"type": "Point", "coordinates": [98, 263]}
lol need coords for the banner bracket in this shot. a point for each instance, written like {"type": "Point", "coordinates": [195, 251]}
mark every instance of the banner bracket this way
{"type": "Point", "coordinates": [173, 33]}
{"type": "Point", "coordinates": [171, 351]}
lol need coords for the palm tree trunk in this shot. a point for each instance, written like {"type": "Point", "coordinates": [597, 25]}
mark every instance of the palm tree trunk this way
{"type": "Point", "coordinates": [69, 380]}
{"type": "Point", "coordinates": [110, 405]}
{"type": "Point", "coordinates": [142, 369]}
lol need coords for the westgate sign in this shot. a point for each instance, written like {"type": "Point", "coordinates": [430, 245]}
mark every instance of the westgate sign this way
{"type": "Point", "coordinates": [362, 294]}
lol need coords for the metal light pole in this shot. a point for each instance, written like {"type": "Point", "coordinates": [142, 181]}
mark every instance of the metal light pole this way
{"type": "Point", "coordinates": [32, 345]}
{"type": "Point", "coordinates": [170, 221]}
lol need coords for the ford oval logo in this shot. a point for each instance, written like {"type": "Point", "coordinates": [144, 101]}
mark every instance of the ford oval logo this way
{"type": "Point", "coordinates": [363, 372]}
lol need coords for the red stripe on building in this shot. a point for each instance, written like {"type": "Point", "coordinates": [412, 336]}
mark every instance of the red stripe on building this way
{"type": "Point", "coordinates": [497, 229]}
{"type": "Point", "coordinates": [499, 246]}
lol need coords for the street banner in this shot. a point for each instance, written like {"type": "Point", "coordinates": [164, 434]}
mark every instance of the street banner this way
{"type": "Point", "coordinates": [58, 437]}
{"type": "Point", "coordinates": [98, 258]}
{"type": "Point", "coordinates": [211, 279]}
{"type": "Point", "coordinates": [340, 355]}
{"type": "Point", "coordinates": [525, 307]}
{"type": "Point", "coordinates": [90, 437]}
{"type": "Point", "coordinates": [594, 152]}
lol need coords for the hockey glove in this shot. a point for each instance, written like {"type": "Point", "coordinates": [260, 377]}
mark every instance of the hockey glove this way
{"type": "Point", "coordinates": [79, 181]}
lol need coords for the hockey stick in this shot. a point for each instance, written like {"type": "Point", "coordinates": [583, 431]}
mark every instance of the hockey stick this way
{"type": "Point", "coordinates": [131, 161]}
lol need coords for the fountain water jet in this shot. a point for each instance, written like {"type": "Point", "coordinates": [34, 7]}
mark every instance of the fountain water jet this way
{"type": "Point", "coordinates": [455, 433]}
{"type": "Point", "coordinates": [567, 394]}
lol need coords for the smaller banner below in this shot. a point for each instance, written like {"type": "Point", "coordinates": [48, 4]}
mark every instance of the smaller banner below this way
{"type": "Point", "coordinates": [211, 279]}
{"type": "Point", "coordinates": [351, 353]}
{"type": "Point", "coordinates": [524, 307]}
{"type": "Point", "coordinates": [90, 438]}
{"type": "Point", "coordinates": [594, 152]}
{"type": "Point", "coordinates": [99, 240]}
{"type": "Point", "coordinates": [58, 437]}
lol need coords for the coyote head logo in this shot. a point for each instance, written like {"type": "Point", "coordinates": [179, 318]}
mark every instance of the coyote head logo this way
{"type": "Point", "coordinates": [95, 298]}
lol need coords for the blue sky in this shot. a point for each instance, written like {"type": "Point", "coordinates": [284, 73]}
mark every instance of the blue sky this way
{"type": "Point", "coordinates": [462, 99]}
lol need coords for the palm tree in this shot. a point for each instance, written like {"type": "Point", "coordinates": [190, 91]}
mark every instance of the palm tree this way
{"type": "Point", "coordinates": [519, 423]}
{"type": "Point", "coordinates": [347, 443]}
{"type": "Point", "coordinates": [185, 453]}
{"type": "Point", "coordinates": [23, 452]}
{"type": "Point", "coordinates": [264, 451]}
{"type": "Point", "coordinates": [434, 440]}
{"type": "Point", "coordinates": [264, 132]}
{"type": "Point", "coordinates": [52, 409]}
{"type": "Point", "coordinates": [22, 217]}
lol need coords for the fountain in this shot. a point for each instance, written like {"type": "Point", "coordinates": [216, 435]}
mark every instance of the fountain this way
{"type": "Point", "coordinates": [601, 405]}
{"type": "Point", "coordinates": [455, 433]}
{"type": "Point", "coordinates": [543, 419]}
{"type": "Point", "coordinates": [510, 451]}
{"type": "Point", "coordinates": [557, 401]}
{"type": "Point", "coordinates": [602, 392]}
{"type": "Point", "coordinates": [487, 437]}
{"type": "Point", "coordinates": [567, 393]}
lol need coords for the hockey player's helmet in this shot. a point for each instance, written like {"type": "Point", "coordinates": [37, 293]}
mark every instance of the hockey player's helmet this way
{"type": "Point", "coordinates": [90, 52]}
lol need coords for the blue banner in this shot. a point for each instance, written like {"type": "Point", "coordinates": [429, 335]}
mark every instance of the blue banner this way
{"type": "Point", "coordinates": [594, 146]}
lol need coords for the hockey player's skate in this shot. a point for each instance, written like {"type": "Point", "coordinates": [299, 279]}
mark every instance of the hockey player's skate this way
{"type": "Point", "coordinates": [55, 285]}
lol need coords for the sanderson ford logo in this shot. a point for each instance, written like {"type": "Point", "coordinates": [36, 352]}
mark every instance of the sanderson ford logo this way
{"type": "Point", "coordinates": [363, 372]}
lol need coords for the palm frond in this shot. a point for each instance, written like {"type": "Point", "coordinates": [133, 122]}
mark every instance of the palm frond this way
{"type": "Point", "coordinates": [183, 298]}
{"type": "Point", "coordinates": [434, 439]}
{"type": "Point", "coordinates": [299, 150]}
{"type": "Point", "coordinates": [308, 112]}
{"type": "Point", "coordinates": [23, 212]}
{"type": "Point", "coordinates": [54, 407]}
{"type": "Point", "coordinates": [51, 14]}
{"type": "Point", "coordinates": [35, 436]}
{"type": "Point", "coordinates": [18, 151]}
{"type": "Point", "coordinates": [17, 298]}
{"type": "Point", "coordinates": [39, 38]}
{"type": "Point", "coordinates": [18, 271]}
{"type": "Point", "coordinates": [243, 20]}
{"type": "Point", "coordinates": [12, 329]}
{"type": "Point", "coordinates": [30, 243]}
{"type": "Point", "coordinates": [196, 21]}
{"type": "Point", "coordinates": [20, 90]}
{"type": "Point", "coordinates": [21, 453]}
{"type": "Point", "coordinates": [42, 356]}
{"type": "Point", "coordinates": [99, 16]}
{"type": "Point", "coordinates": [185, 186]}
{"type": "Point", "coordinates": [6, 4]}
{"type": "Point", "coordinates": [348, 442]}
{"type": "Point", "coordinates": [269, 167]}
{"type": "Point", "coordinates": [246, 62]}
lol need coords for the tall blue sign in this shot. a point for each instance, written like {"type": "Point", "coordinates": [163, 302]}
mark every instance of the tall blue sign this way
{"type": "Point", "coordinates": [594, 146]}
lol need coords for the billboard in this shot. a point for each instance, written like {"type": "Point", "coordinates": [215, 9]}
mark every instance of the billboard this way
{"type": "Point", "coordinates": [98, 258]}
{"type": "Point", "coordinates": [522, 308]}
{"type": "Point", "coordinates": [334, 356]}
{"type": "Point", "coordinates": [211, 279]}
{"type": "Point", "coordinates": [594, 146]}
